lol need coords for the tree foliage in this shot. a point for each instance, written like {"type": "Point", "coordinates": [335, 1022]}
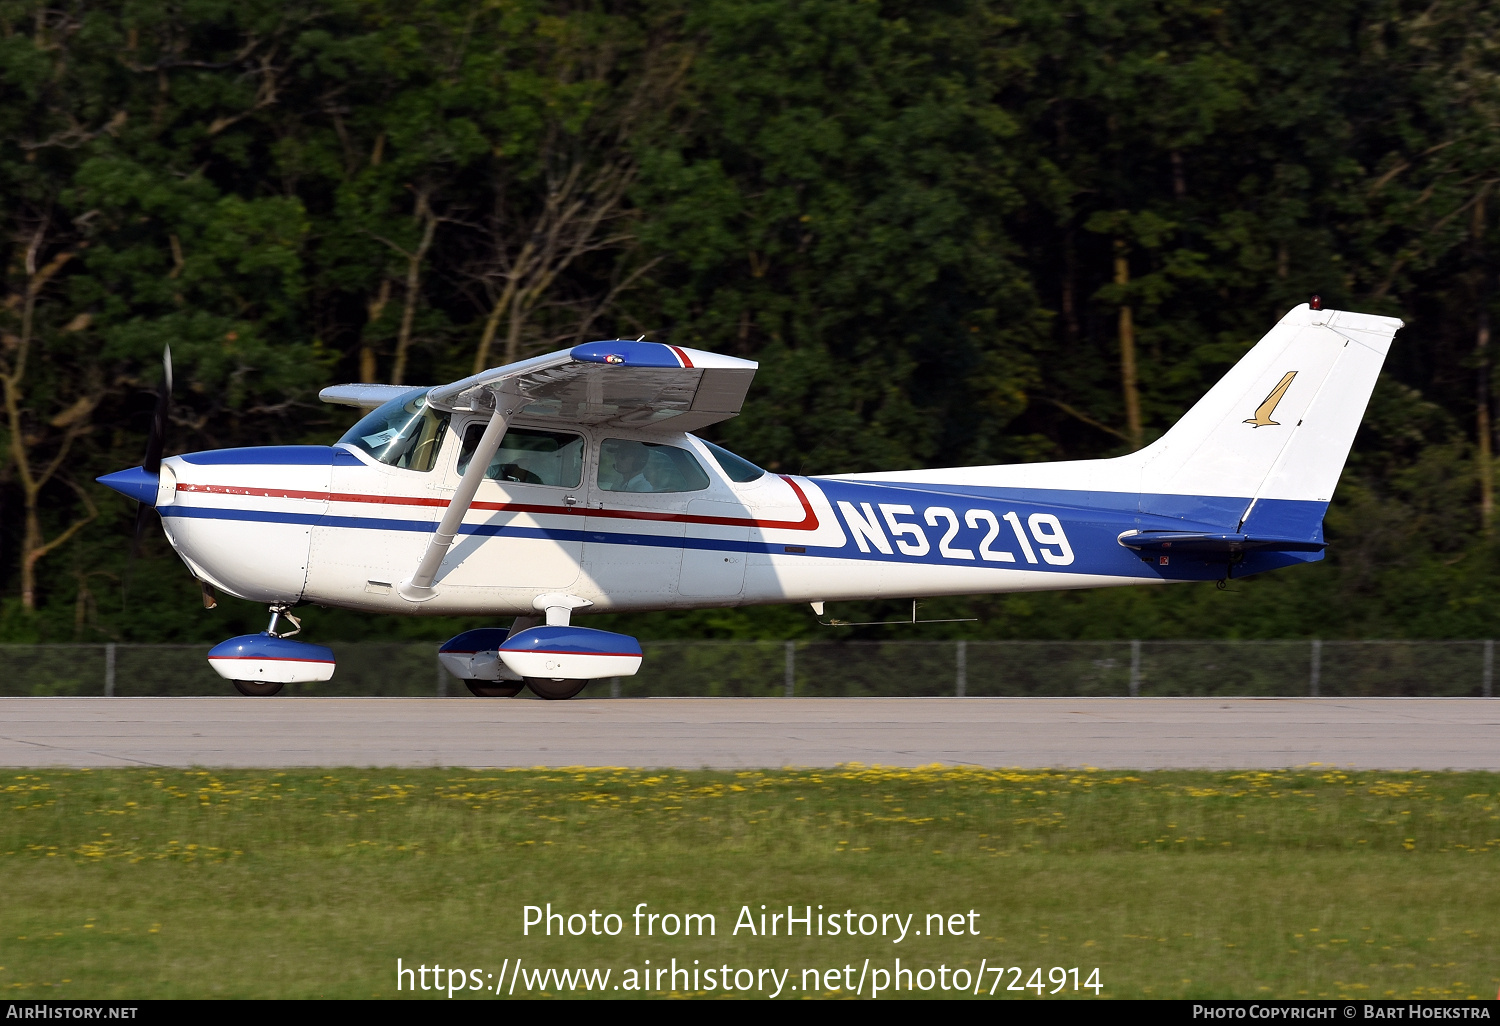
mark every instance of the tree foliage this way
{"type": "Point", "coordinates": [974, 231]}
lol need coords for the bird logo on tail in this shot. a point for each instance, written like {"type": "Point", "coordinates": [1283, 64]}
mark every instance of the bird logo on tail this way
{"type": "Point", "coordinates": [1268, 405]}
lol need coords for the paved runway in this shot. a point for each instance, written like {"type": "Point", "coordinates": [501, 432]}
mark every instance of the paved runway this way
{"type": "Point", "coordinates": [690, 733]}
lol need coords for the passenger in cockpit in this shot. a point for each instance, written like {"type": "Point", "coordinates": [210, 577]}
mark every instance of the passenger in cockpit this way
{"type": "Point", "coordinates": [630, 468]}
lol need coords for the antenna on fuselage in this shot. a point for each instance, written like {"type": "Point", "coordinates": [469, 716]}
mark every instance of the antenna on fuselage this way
{"type": "Point", "coordinates": [832, 622]}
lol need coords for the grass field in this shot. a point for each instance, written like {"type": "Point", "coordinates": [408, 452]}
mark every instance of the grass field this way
{"type": "Point", "coordinates": [150, 883]}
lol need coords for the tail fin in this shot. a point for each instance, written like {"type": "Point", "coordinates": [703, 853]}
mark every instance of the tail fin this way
{"type": "Point", "coordinates": [1267, 443]}
{"type": "Point", "coordinates": [1279, 425]}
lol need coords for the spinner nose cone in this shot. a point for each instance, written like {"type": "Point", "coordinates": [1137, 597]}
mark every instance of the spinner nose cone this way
{"type": "Point", "coordinates": [135, 483]}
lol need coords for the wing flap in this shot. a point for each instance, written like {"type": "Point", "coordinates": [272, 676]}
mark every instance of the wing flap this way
{"type": "Point", "coordinates": [722, 390]}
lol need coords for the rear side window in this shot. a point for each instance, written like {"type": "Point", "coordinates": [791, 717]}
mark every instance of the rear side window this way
{"type": "Point", "coordinates": [736, 468]}
{"type": "Point", "coordinates": [404, 433]}
{"type": "Point", "coordinates": [630, 466]}
{"type": "Point", "coordinates": [530, 456]}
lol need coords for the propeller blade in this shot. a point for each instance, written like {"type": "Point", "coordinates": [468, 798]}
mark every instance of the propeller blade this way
{"type": "Point", "coordinates": [155, 441]}
{"type": "Point", "coordinates": [142, 518]}
{"type": "Point", "coordinates": [158, 436]}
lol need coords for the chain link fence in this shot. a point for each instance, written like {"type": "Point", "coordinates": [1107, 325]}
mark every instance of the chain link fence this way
{"type": "Point", "coordinates": [834, 669]}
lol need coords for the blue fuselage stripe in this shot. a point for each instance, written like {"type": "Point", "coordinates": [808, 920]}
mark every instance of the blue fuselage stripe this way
{"type": "Point", "coordinates": [1215, 510]}
{"type": "Point", "coordinates": [964, 523]}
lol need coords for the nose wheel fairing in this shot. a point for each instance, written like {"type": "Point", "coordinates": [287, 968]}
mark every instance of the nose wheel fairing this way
{"type": "Point", "coordinates": [266, 659]}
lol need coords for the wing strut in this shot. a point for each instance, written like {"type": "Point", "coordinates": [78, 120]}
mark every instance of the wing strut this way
{"type": "Point", "coordinates": [418, 587]}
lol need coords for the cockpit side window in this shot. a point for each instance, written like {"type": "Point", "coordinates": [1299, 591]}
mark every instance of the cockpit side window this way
{"type": "Point", "coordinates": [736, 468]}
{"type": "Point", "coordinates": [630, 466]}
{"type": "Point", "coordinates": [530, 456]}
{"type": "Point", "coordinates": [404, 433]}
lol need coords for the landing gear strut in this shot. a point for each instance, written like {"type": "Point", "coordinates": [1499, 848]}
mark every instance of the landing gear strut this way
{"type": "Point", "coordinates": [277, 612]}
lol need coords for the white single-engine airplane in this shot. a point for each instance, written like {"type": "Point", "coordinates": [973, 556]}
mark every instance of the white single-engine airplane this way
{"type": "Point", "coordinates": [570, 484]}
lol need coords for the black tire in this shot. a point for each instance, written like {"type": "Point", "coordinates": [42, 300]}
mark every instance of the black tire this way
{"type": "Point", "coordinates": [554, 690]}
{"type": "Point", "coordinates": [258, 688]}
{"type": "Point", "coordinates": [494, 689]}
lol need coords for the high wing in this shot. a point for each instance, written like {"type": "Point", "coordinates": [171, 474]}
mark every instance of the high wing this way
{"type": "Point", "coordinates": [366, 397]}
{"type": "Point", "coordinates": [635, 384]}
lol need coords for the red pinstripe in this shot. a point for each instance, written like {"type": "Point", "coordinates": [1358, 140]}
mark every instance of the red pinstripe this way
{"type": "Point", "coordinates": [564, 651]}
{"type": "Point", "coordinates": [272, 659]}
{"type": "Point", "coordinates": [809, 521]}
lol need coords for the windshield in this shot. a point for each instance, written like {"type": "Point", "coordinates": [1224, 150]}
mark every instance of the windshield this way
{"type": "Point", "coordinates": [738, 469]}
{"type": "Point", "coordinates": [403, 433]}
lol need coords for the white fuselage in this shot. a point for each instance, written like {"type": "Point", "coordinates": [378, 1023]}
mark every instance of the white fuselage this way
{"type": "Point", "coordinates": [335, 527]}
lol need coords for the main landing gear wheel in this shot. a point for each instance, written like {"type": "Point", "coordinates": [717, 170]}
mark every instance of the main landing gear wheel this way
{"type": "Point", "coordinates": [554, 690]}
{"type": "Point", "coordinates": [500, 689]}
{"type": "Point", "coordinates": [258, 688]}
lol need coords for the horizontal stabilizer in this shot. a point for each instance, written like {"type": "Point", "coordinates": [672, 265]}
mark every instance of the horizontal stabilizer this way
{"type": "Point", "coordinates": [1201, 544]}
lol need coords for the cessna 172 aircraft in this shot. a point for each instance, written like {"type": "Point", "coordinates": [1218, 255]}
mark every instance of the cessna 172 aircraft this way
{"type": "Point", "coordinates": [570, 484]}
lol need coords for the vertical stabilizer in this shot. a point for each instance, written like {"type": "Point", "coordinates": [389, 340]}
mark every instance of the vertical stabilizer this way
{"type": "Point", "coordinates": [1279, 425]}
{"type": "Point", "coordinates": [1261, 451]}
